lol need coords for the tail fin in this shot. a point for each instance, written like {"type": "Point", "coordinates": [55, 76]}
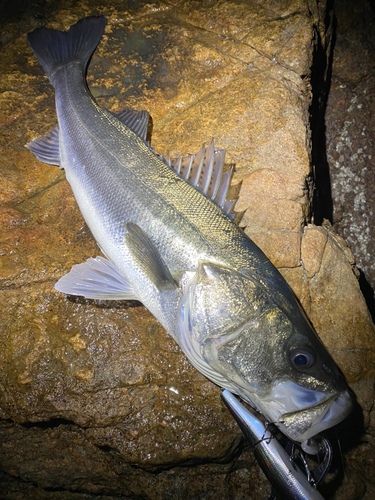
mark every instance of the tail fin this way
{"type": "Point", "coordinates": [54, 49]}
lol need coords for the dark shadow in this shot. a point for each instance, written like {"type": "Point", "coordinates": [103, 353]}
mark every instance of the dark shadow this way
{"type": "Point", "coordinates": [48, 424]}
{"type": "Point", "coordinates": [19, 9]}
{"type": "Point", "coordinates": [368, 294]}
{"type": "Point", "coordinates": [150, 128]}
{"type": "Point", "coordinates": [344, 437]}
{"type": "Point", "coordinates": [105, 304]}
{"type": "Point", "coordinates": [321, 72]}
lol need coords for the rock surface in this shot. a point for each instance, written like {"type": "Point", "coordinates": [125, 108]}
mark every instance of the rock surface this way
{"type": "Point", "coordinates": [96, 399]}
{"type": "Point", "coordinates": [351, 134]}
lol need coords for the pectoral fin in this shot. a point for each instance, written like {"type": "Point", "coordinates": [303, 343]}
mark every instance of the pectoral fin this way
{"type": "Point", "coordinates": [96, 278]}
{"type": "Point", "coordinates": [147, 259]}
{"type": "Point", "coordinates": [152, 279]}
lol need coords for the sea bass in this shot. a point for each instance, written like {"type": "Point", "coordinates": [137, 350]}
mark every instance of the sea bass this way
{"type": "Point", "coordinates": [170, 242]}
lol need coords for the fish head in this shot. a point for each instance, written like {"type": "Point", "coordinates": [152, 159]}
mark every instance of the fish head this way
{"type": "Point", "coordinates": [252, 338]}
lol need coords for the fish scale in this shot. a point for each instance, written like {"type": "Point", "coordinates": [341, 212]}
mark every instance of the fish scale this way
{"type": "Point", "coordinates": [204, 229]}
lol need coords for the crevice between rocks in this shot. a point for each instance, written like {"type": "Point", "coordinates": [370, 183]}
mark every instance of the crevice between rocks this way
{"type": "Point", "coordinates": [322, 202]}
{"type": "Point", "coordinates": [48, 424]}
{"type": "Point", "coordinates": [40, 191]}
{"type": "Point", "coordinates": [232, 453]}
{"type": "Point", "coordinates": [368, 293]}
{"type": "Point", "coordinates": [321, 70]}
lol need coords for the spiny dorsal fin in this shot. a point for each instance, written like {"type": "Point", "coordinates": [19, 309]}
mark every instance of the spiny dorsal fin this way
{"type": "Point", "coordinates": [137, 121]}
{"type": "Point", "coordinates": [204, 171]}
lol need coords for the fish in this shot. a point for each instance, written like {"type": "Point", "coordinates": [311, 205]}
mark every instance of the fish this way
{"type": "Point", "coordinates": [170, 240]}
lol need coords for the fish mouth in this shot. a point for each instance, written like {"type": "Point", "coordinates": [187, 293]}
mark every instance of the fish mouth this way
{"type": "Point", "coordinates": [302, 413]}
{"type": "Point", "coordinates": [308, 422]}
{"type": "Point", "coordinates": [327, 414]}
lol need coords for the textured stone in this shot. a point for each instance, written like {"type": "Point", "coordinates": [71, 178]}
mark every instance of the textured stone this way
{"type": "Point", "coordinates": [312, 250]}
{"type": "Point", "coordinates": [351, 136]}
{"type": "Point", "coordinates": [337, 307]}
{"type": "Point", "coordinates": [95, 398]}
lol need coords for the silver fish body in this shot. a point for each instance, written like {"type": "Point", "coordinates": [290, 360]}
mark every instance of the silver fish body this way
{"type": "Point", "coordinates": [173, 248]}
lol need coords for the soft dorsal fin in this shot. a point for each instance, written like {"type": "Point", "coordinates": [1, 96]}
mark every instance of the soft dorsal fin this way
{"type": "Point", "coordinates": [137, 121]}
{"type": "Point", "coordinates": [204, 171]}
{"type": "Point", "coordinates": [46, 148]}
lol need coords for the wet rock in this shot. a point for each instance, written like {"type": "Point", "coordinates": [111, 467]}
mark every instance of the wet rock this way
{"type": "Point", "coordinates": [95, 398]}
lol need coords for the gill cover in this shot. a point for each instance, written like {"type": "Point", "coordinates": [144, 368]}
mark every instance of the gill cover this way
{"type": "Point", "coordinates": [222, 320]}
{"type": "Point", "coordinates": [234, 330]}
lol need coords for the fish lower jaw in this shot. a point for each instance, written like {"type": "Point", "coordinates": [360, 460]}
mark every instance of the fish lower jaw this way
{"type": "Point", "coordinates": [311, 421]}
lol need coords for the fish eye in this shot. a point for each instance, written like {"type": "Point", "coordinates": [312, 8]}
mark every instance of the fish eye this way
{"type": "Point", "coordinates": [301, 358]}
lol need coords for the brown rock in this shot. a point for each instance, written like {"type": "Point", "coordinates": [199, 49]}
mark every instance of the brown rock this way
{"type": "Point", "coordinates": [312, 249]}
{"type": "Point", "coordinates": [96, 398]}
{"type": "Point", "coordinates": [336, 307]}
